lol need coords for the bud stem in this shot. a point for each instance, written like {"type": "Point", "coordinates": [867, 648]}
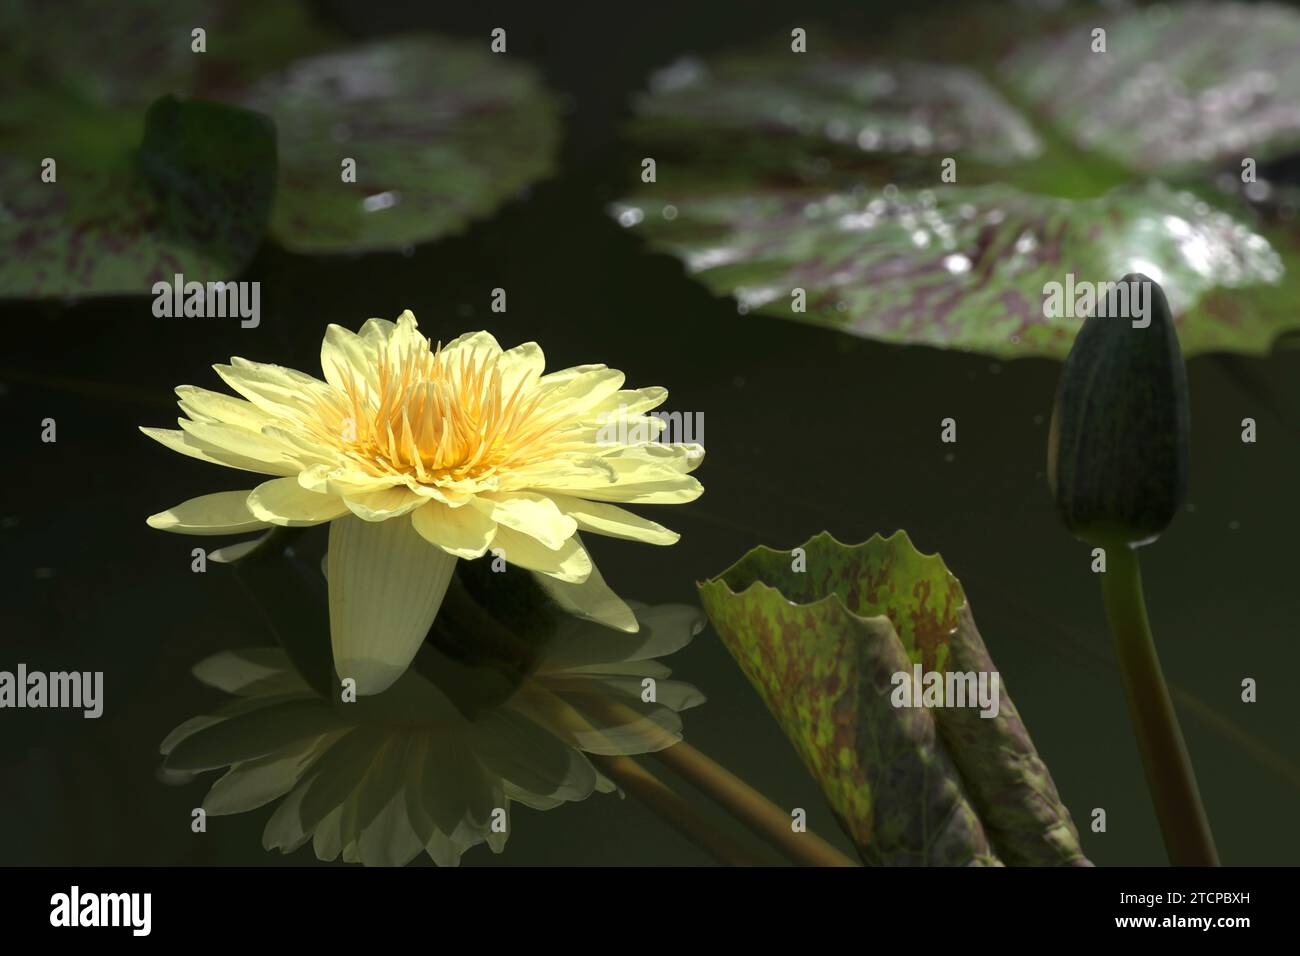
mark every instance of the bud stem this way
{"type": "Point", "coordinates": [1169, 773]}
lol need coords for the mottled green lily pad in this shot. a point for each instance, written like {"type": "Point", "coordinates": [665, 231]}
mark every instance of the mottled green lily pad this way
{"type": "Point", "coordinates": [63, 63]}
{"type": "Point", "coordinates": [442, 131]}
{"type": "Point", "coordinates": [824, 171]}
{"type": "Point", "coordinates": [125, 212]}
{"type": "Point", "coordinates": [800, 107]}
{"type": "Point", "coordinates": [965, 267]}
{"type": "Point", "coordinates": [211, 168]}
{"type": "Point", "coordinates": [911, 786]}
{"type": "Point", "coordinates": [193, 199]}
{"type": "Point", "coordinates": [1179, 87]}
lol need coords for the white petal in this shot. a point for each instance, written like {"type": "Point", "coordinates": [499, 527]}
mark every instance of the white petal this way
{"type": "Point", "coordinates": [241, 445]}
{"type": "Point", "coordinates": [521, 366]}
{"type": "Point", "coordinates": [632, 401]}
{"type": "Point", "coordinates": [274, 388]}
{"type": "Point", "coordinates": [465, 532]}
{"type": "Point", "coordinates": [482, 346]}
{"type": "Point", "coordinates": [340, 479]}
{"type": "Point", "coordinates": [344, 353]}
{"type": "Point", "coordinates": [584, 387]}
{"type": "Point", "coordinates": [591, 600]}
{"type": "Point", "coordinates": [383, 503]}
{"type": "Point", "coordinates": [225, 512]}
{"type": "Point", "coordinates": [528, 513]}
{"type": "Point", "coordinates": [203, 405]}
{"type": "Point", "coordinates": [406, 334]}
{"type": "Point", "coordinates": [386, 583]}
{"type": "Point", "coordinates": [179, 441]}
{"type": "Point", "coordinates": [233, 552]}
{"type": "Point", "coordinates": [283, 501]}
{"type": "Point", "coordinates": [570, 563]}
{"type": "Point", "coordinates": [614, 521]}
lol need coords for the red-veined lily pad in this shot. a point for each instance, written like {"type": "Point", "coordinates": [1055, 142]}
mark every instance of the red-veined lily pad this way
{"type": "Point", "coordinates": [965, 267]}
{"type": "Point", "coordinates": [195, 199]}
{"type": "Point", "coordinates": [441, 132]}
{"type": "Point", "coordinates": [140, 193]}
{"type": "Point", "coordinates": [1178, 87]}
{"type": "Point", "coordinates": [835, 103]}
{"type": "Point", "coordinates": [911, 785]}
{"type": "Point", "coordinates": [824, 171]}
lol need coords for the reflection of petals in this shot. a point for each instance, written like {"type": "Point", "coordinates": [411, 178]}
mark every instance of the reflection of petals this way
{"type": "Point", "coordinates": [521, 751]}
{"type": "Point", "coordinates": [390, 776]}
{"type": "Point", "coordinates": [255, 732]}
{"type": "Point", "coordinates": [587, 723]}
{"type": "Point", "coordinates": [591, 600]}
{"type": "Point", "coordinates": [253, 672]}
{"type": "Point", "coordinates": [664, 629]}
{"type": "Point", "coordinates": [255, 783]}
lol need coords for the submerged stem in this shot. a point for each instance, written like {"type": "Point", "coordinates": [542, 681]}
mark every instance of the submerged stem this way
{"type": "Point", "coordinates": [738, 798]}
{"type": "Point", "coordinates": [759, 814]}
{"type": "Point", "coordinates": [670, 805]}
{"type": "Point", "coordinates": [1169, 773]}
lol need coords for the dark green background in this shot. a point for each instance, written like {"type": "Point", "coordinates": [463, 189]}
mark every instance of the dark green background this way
{"type": "Point", "coordinates": [806, 429]}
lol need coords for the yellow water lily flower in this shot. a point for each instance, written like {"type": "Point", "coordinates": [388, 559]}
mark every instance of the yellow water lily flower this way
{"type": "Point", "coordinates": [381, 780]}
{"type": "Point", "coordinates": [417, 456]}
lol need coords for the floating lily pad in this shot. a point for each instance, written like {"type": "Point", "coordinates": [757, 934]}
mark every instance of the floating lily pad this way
{"type": "Point", "coordinates": [965, 267]}
{"type": "Point", "coordinates": [119, 217]}
{"type": "Point", "coordinates": [194, 199]}
{"type": "Point", "coordinates": [823, 171]}
{"type": "Point", "coordinates": [64, 63]}
{"type": "Point", "coordinates": [910, 785]}
{"type": "Point", "coordinates": [59, 65]}
{"type": "Point", "coordinates": [1179, 87]}
{"type": "Point", "coordinates": [211, 168]}
{"type": "Point", "coordinates": [779, 108]}
{"type": "Point", "coordinates": [442, 131]}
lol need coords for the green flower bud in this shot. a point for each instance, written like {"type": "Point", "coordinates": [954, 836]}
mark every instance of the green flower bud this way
{"type": "Point", "coordinates": [1118, 449]}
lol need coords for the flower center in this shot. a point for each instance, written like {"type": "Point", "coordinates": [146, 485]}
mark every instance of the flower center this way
{"type": "Point", "coordinates": [437, 418]}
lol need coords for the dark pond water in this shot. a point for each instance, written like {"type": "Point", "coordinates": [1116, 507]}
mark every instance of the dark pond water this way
{"type": "Point", "coordinates": [806, 429]}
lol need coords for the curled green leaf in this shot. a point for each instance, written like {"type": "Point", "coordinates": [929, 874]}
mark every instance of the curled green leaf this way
{"type": "Point", "coordinates": [822, 633]}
